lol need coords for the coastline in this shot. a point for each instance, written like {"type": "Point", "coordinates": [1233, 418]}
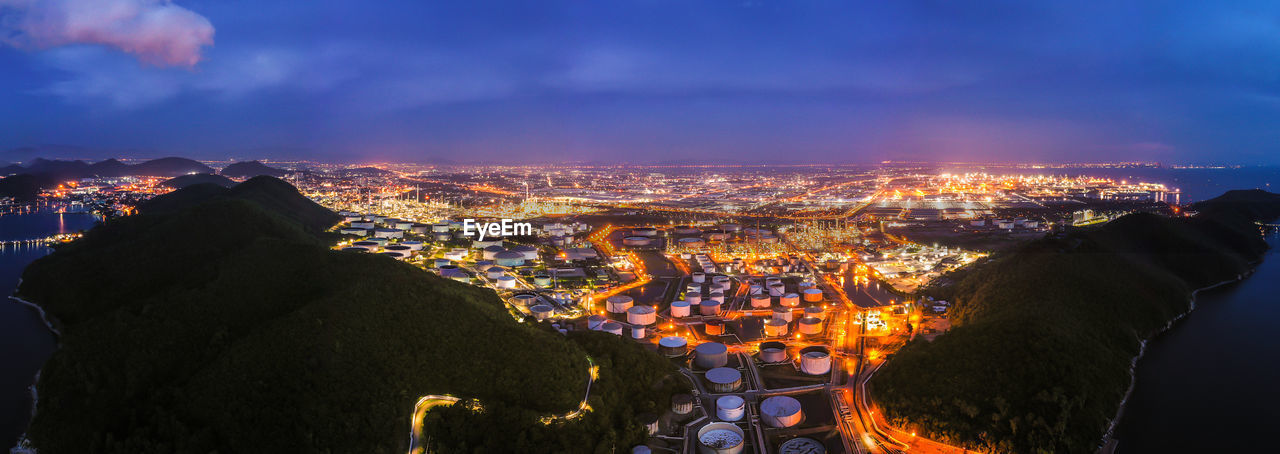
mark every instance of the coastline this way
{"type": "Point", "coordinates": [23, 445]}
{"type": "Point", "coordinates": [1109, 442]}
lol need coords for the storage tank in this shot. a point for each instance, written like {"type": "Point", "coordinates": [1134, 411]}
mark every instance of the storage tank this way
{"type": "Point", "coordinates": [783, 313]}
{"type": "Point", "coordinates": [491, 252]}
{"type": "Point", "coordinates": [649, 421]}
{"type": "Point", "coordinates": [713, 326]}
{"type": "Point", "coordinates": [395, 255]}
{"type": "Point", "coordinates": [524, 299]}
{"type": "Point", "coordinates": [731, 227]}
{"type": "Point", "coordinates": [775, 327]}
{"type": "Point", "coordinates": [760, 301]}
{"type": "Point", "coordinates": [388, 233]}
{"type": "Point", "coordinates": [495, 272]}
{"type": "Point", "coordinates": [730, 408]}
{"type": "Point", "coordinates": [366, 245]}
{"type": "Point", "coordinates": [691, 242]}
{"type": "Point", "coordinates": [780, 411]}
{"type": "Point", "coordinates": [720, 279]}
{"type": "Point", "coordinates": [453, 272]}
{"type": "Point", "coordinates": [541, 311]}
{"type": "Point", "coordinates": [637, 332]}
{"type": "Point", "coordinates": [404, 226]}
{"type": "Point", "coordinates": [686, 230]}
{"type": "Point", "coordinates": [644, 231]}
{"type": "Point", "coordinates": [355, 249]}
{"type": "Point", "coordinates": [717, 296]}
{"type": "Point", "coordinates": [680, 309]}
{"type": "Point", "coordinates": [379, 241]}
{"type": "Point", "coordinates": [542, 280]}
{"type": "Point", "coordinates": [789, 300]}
{"type": "Point", "coordinates": [673, 346]}
{"type": "Point", "coordinates": [509, 258]}
{"type": "Point", "coordinates": [442, 236]}
{"type": "Point", "coordinates": [529, 252]}
{"type": "Point", "coordinates": [756, 289]}
{"type": "Point", "coordinates": [715, 236]}
{"type": "Point", "coordinates": [440, 228]}
{"type": "Point", "coordinates": [709, 307]}
{"type": "Point", "coordinates": [809, 325]}
{"type": "Point", "coordinates": [813, 295]}
{"type": "Point", "coordinates": [456, 254]}
{"type": "Point", "coordinates": [641, 315]}
{"type": "Point", "coordinates": [815, 360]}
{"type": "Point", "coordinates": [711, 355]}
{"type": "Point", "coordinates": [693, 298]}
{"type": "Point", "coordinates": [413, 245]}
{"type": "Point", "coordinates": [724, 379]}
{"type": "Point", "coordinates": [802, 445]}
{"type": "Point", "coordinates": [773, 352]}
{"type": "Point", "coordinates": [815, 312]}
{"type": "Point", "coordinates": [420, 229]}
{"type": "Point", "coordinates": [618, 304]}
{"type": "Point", "coordinates": [637, 241]}
{"type": "Point", "coordinates": [594, 322]}
{"type": "Point", "coordinates": [399, 248]}
{"type": "Point", "coordinates": [507, 282]}
{"type": "Point", "coordinates": [777, 289]}
{"type": "Point", "coordinates": [366, 225]}
{"type": "Point", "coordinates": [353, 231]}
{"type": "Point", "coordinates": [699, 277]}
{"type": "Point", "coordinates": [438, 263]}
{"type": "Point", "coordinates": [681, 404]}
{"type": "Point", "coordinates": [612, 328]}
{"type": "Point", "coordinates": [720, 438]}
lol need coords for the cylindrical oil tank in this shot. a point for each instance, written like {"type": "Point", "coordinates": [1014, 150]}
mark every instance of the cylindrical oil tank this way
{"type": "Point", "coordinates": [730, 408]}
{"type": "Point", "coordinates": [612, 327]}
{"type": "Point", "coordinates": [813, 295]}
{"type": "Point", "coordinates": [594, 322]}
{"type": "Point", "coordinates": [508, 258]}
{"type": "Point", "coordinates": [672, 346]}
{"type": "Point", "coordinates": [641, 315]}
{"type": "Point", "coordinates": [440, 228]}
{"type": "Point", "coordinates": [685, 230]}
{"type": "Point", "coordinates": [644, 231]}
{"type": "Point", "coordinates": [637, 332]}
{"type": "Point", "coordinates": [724, 379]}
{"type": "Point", "coordinates": [773, 352]}
{"type": "Point", "coordinates": [637, 241]}
{"type": "Point", "coordinates": [815, 311]}
{"type": "Point", "coordinates": [618, 304]}
{"type": "Point", "coordinates": [420, 229]}
{"type": "Point", "coordinates": [713, 326]}
{"type": "Point", "coordinates": [756, 289]}
{"type": "Point", "coordinates": [772, 280]}
{"type": "Point", "coordinates": [693, 298]}
{"type": "Point", "coordinates": [491, 252]}
{"type": "Point", "coordinates": [780, 411]}
{"type": "Point", "coordinates": [777, 289]}
{"type": "Point", "coordinates": [541, 311]}
{"type": "Point", "coordinates": [720, 438]}
{"type": "Point", "coordinates": [541, 280]}
{"type": "Point", "coordinates": [529, 252]}
{"type": "Point", "coordinates": [442, 236]}
{"type": "Point", "coordinates": [731, 227]}
{"type": "Point", "coordinates": [507, 282]}
{"type": "Point", "coordinates": [719, 278]}
{"type": "Point", "coordinates": [783, 313]}
{"type": "Point", "coordinates": [395, 254]}
{"type": "Point", "coordinates": [353, 231]}
{"type": "Point", "coordinates": [775, 327]}
{"type": "Point", "coordinates": [711, 355]}
{"type": "Point", "coordinates": [524, 300]}
{"type": "Point", "coordinates": [413, 245]}
{"type": "Point", "coordinates": [789, 300]}
{"type": "Point", "coordinates": [721, 287]}
{"type": "Point", "coordinates": [495, 272]}
{"type": "Point", "coordinates": [801, 445]}
{"type": "Point", "coordinates": [649, 421]}
{"type": "Point", "coordinates": [715, 236]}
{"type": "Point", "coordinates": [455, 273]}
{"type": "Point", "coordinates": [680, 309]}
{"type": "Point", "coordinates": [717, 296]}
{"type": "Point", "coordinates": [367, 225]}
{"type": "Point", "coordinates": [815, 360]}
{"type": "Point", "coordinates": [682, 404]}
{"type": "Point", "coordinates": [692, 242]}
{"type": "Point", "coordinates": [367, 245]}
{"type": "Point", "coordinates": [379, 241]}
{"type": "Point", "coordinates": [760, 301]}
{"type": "Point", "coordinates": [399, 248]}
{"type": "Point", "coordinates": [809, 325]}
{"type": "Point", "coordinates": [709, 307]}
{"type": "Point", "coordinates": [806, 285]}
{"type": "Point", "coordinates": [699, 277]}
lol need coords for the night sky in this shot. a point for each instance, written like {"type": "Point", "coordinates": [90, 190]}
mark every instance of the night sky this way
{"type": "Point", "coordinates": [751, 81]}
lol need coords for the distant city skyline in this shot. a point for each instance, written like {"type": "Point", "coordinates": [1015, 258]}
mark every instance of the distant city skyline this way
{"type": "Point", "coordinates": [644, 81]}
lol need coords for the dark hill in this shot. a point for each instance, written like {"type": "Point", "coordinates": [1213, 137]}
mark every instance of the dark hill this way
{"type": "Point", "coordinates": [109, 168]}
{"type": "Point", "coordinates": [169, 167]}
{"type": "Point", "coordinates": [11, 169]}
{"type": "Point", "coordinates": [271, 193]}
{"type": "Point", "coordinates": [364, 171]}
{"type": "Point", "coordinates": [220, 325]}
{"type": "Point", "coordinates": [22, 187]}
{"type": "Point", "coordinates": [198, 178]}
{"type": "Point", "coordinates": [1038, 358]}
{"type": "Point", "coordinates": [251, 169]}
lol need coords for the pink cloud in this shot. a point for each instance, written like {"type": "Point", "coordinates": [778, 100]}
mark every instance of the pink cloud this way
{"type": "Point", "coordinates": [155, 31]}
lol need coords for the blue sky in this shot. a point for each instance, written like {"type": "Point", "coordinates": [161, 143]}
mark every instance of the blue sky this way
{"type": "Point", "coordinates": [643, 81]}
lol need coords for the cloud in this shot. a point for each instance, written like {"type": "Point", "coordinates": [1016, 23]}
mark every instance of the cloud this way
{"type": "Point", "coordinates": [155, 31]}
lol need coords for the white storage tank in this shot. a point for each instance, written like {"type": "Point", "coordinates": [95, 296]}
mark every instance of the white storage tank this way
{"type": "Point", "coordinates": [595, 322]}
{"type": "Point", "coordinates": [491, 252]}
{"type": "Point", "coordinates": [760, 301]}
{"type": "Point", "coordinates": [720, 279]}
{"type": "Point", "coordinates": [717, 296]}
{"type": "Point", "coordinates": [529, 252]}
{"type": "Point", "coordinates": [541, 311]}
{"type": "Point", "coordinates": [756, 289]}
{"type": "Point", "coordinates": [641, 315]}
{"type": "Point", "coordinates": [366, 225]}
{"type": "Point", "coordinates": [720, 438]}
{"type": "Point", "coordinates": [685, 230]}
{"type": "Point", "coordinates": [813, 295]}
{"type": "Point", "coordinates": [730, 408]}
{"type": "Point", "coordinates": [815, 312]}
{"type": "Point", "coordinates": [680, 309]}
{"type": "Point", "coordinates": [495, 272]}
{"type": "Point", "coordinates": [637, 332]}
{"type": "Point", "coordinates": [724, 379]}
{"type": "Point", "coordinates": [693, 298]}
{"type": "Point", "coordinates": [399, 248]}
{"type": "Point", "coordinates": [777, 289]}
{"type": "Point", "coordinates": [395, 255]}
{"type": "Point", "coordinates": [353, 231]}
{"type": "Point", "coordinates": [775, 327]}
{"type": "Point", "coordinates": [366, 245]}
{"type": "Point", "coordinates": [644, 231]}
{"type": "Point", "coordinates": [773, 352]}
{"type": "Point", "coordinates": [637, 241]}
{"type": "Point", "coordinates": [438, 263]}
{"type": "Point", "coordinates": [809, 325]}
{"type": "Point", "coordinates": [731, 227]}
{"type": "Point", "coordinates": [711, 355]}
{"type": "Point", "coordinates": [815, 360]}
{"type": "Point", "coordinates": [440, 228]}
{"type": "Point", "coordinates": [783, 313]}
{"type": "Point", "coordinates": [542, 280]}
{"type": "Point", "coordinates": [789, 300]}
{"type": "Point", "coordinates": [509, 258]}
{"type": "Point", "coordinates": [507, 282]}
{"type": "Point", "coordinates": [699, 277]}
{"type": "Point", "coordinates": [618, 304]}
{"type": "Point", "coordinates": [420, 229]}
{"type": "Point", "coordinates": [388, 233]}
{"type": "Point", "coordinates": [442, 236]}
{"type": "Point", "coordinates": [612, 328]}
{"type": "Point", "coordinates": [412, 245]}
{"type": "Point", "coordinates": [673, 346]}
{"type": "Point", "coordinates": [524, 300]}
{"type": "Point", "coordinates": [709, 307]}
{"type": "Point", "coordinates": [781, 411]}
{"type": "Point", "coordinates": [691, 242]}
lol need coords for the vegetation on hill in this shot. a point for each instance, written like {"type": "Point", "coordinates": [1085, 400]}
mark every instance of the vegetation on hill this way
{"type": "Point", "coordinates": [216, 321]}
{"type": "Point", "coordinates": [250, 169]}
{"type": "Point", "coordinates": [1043, 336]}
{"type": "Point", "coordinates": [198, 178]}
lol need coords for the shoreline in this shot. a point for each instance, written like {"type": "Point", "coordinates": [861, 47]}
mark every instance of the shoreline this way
{"type": "Point", "coordinates": [1109, 442]}
{"type": "Point", "coordinates": [23, 445]}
